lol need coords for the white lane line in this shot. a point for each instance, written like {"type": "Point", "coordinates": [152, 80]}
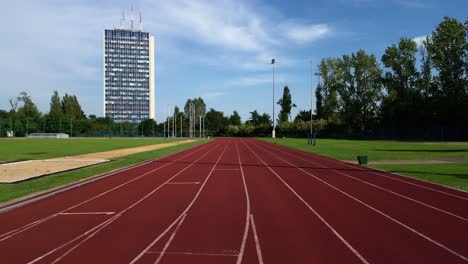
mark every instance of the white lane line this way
{"type": "Point", "coordinates": [184, 212]}
{"type": "Point", "coordinates": [391, 178]}
{"type": "Point", "coordinates": [93, 231]}
{"type": "Point", "coordinates": [87, 213]}
{"type": "Point", "coordinates": [193, 254]}
{"type": "Point", "coordinates": [348, 245]}
{"type": "Point", "coordinates": [168, 243]}
{"type": "Point", "coordinates": [19, 230]}
{"type": "Point", "coordinates": [379, 212]}
{"type": "Point", "coordinates": [227, 169]}
{"type": "Point", "coordinates": [183, 183]}
{"type": "Point", "coordinates": [247, 220]}
{"type": "Point", "coordinates": [378, 187]}
{"type": "Point", "coordinates": [257, 242]}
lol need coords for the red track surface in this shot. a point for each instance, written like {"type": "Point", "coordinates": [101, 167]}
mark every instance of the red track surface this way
{"type": "Point", "coordinates": [242, 201]}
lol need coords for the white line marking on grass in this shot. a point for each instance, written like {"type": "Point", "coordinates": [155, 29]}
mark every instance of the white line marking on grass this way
{"type": "Point", "coordinates": [93, 231]}
{"type": "Point", "coordinates": [378, 211]}
{"type": "Point", "coordinates": [348, 245]}
{"type": "Point", "coordinates": [170, 240]}
{"type": "Point", "coordinates": [87, 213]}
{"type": "Point", "coordinates": [378, 187]}
{"type": "Point", "coordinates": [247, 220]}
{"type": "Point", "coordinates": [193, 254]}
{"type": "Point", "coordinates": [257, 243]}
{"type": "Point", "coordinates": [19, 230]}
{"type": "Point", "coordinates": [183, 183]}
{"type": "Point", "coordinates": [184, 212]}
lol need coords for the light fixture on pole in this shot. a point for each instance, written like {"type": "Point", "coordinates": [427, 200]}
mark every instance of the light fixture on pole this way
{"type": "Point", "coordinates": [273, 131]}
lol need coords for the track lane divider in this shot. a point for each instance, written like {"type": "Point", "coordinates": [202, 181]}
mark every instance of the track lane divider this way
{"type": "Point", "coordinates": [248, 212]}
{"type": "Point", "coordinates": [378, 187]}
{"type": "Point", "coordinates": [156, 240]}
{"type": "Point", "coordinates": [376, 210]}
{"type": "Point", "coordinates": [19, 230]}
{"type": "Point", "coordinates": [338, 235]}
{"type": "Point", "coordinates": [93, 231]}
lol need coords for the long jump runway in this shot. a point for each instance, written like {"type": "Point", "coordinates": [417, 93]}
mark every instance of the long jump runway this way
{"type": "Point", "coordinates": [241, 201]}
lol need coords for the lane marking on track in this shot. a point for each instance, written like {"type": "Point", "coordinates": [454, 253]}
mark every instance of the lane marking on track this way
{"type": "Point", "coordinates": [181, 215]}
{"type": "Point", "coordinates": [378, 211]}
{"type": "Point", "coordinates": [87, 213]}
{"type": "Point", "coordinates": [247, 220]}
{"type": "Point", "coordinates": [348, 245]}
{"type": "Point", "coordinates": [257, 243]}
{"type": "Point", "coordinates": [193, 254]}
{"type": "Point", "coordinates": [378, 187]}
{"type": "Point", "coordinates": [227, 169]}
{"type": "Point", "coordinates": [170, 240]}
{"type": "Point", "coordinates": [389, 177]}
{"type": "Point", "coordinates": [183, 183]}
{"type": "Point", "coordinates": [26, 227]}
{"type": "Point", "coordinates": [93, 231]}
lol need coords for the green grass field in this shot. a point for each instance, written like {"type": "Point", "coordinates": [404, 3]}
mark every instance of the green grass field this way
{"type": "Point", "coordinates": [18, 149]}
{"type": "Point", "coordinates": [12, 191]}
{"type": "Point", "coordinates": [450, 174]}
{"type": "Point", "coordinates": [378, 149]}
{"type": "Point", "coordinates": [454, 175]}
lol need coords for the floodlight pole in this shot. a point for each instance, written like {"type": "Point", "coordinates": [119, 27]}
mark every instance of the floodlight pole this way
{"type": "Point", "coordinates": [311, 103]}
{"type": "Point", "coordinates": [318, 74]}
{"type": "Point", "coordinates": [273, 133]}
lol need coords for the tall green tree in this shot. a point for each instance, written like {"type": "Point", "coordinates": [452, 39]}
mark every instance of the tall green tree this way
{"type": "Point", "coordinates": [55, 115]}
{"type": "Point", "coordinates": [235, 119]}
{"type": "Point", "coordinates": [286, 105]}
{"type": "Point", "coordinates": [28, 117]}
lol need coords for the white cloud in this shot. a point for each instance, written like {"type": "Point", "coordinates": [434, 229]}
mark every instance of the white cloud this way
{"type": "Point", "coordinates": [303, 33]}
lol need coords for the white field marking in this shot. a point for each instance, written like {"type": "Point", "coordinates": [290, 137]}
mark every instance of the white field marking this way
{"type": "Point", "coordinates": [247, 220]}
{"type": "Point", "coordinates": [227, 169]}
{"type": "Point", "coordinates": [193, 254]}
{"type": "Point", "coordinates": [394, 178]}
{"type": "Point", "coordinates": [93, 231]}
{"type": "Point", "coordinates": [348, 245]}
{"type": "Point", "coordinates": [379, 212]}
{"type": "Point", "coordinates": [184, 212]}
{"type": "Point", "coordinates": [15, 163]}
{"type": "Point", "coordinates": [257, 243]}
{"type": "Point", "coordinates": [168, 243]}
{"type": "Point", "coordinates": [378, 187]}
{"type": "Point", "coordinates": [19, 230]}
{"type": "Point", "coordinates": [183, 183]}
{"type": "Point", "coordinates": [87, 213]}
{"type": "Point", "coordinates": [30, 225]}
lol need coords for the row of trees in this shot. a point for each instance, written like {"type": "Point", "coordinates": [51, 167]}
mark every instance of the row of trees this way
{"type": "Point", "coordinates": [359, 96]}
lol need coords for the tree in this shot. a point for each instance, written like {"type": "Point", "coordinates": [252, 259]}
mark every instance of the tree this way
{"type": "Point", "coordinates": [235, 118]}
{"type": "Point", "coordinates": [216, 122]}
{"type": "Point", "coordinates": [28, 117]}
{"type": "Point", "coordinates": [254, 118]}
{"type": "Point", "coordinates": [145, 128]}
{"type": "Point", "coordinates": [303, 115]}
{"type": "Point", "coordinates": [448, 52]}
{"type": "Point", "coordinates": [55, 115]}
{"type": "Point", "coordinates": [200, 108]}
{"type": "Point", "coordinates": [71, 108]}
{"type": "Point", "coordinates": [286, 105]}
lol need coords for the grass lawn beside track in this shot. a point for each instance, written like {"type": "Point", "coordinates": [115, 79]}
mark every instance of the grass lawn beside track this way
{"type": "Point", "coordinates": [18, 149]}
{"type": "Point", "coordinates": [454, 175]}
{"type": "Point", "coordinates": [377, 149]}
{"type": "Point", "coordinates": [15, 190]}
{"type": "Point", "coordinates": [450, 174]}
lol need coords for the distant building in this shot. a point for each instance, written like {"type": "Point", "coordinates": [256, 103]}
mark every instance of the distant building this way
{"type": "Point", "coordinates": [128, 75]}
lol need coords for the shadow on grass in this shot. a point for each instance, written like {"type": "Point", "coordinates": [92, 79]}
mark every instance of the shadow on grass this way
{"type": "Point", "coordinates": [408, 172]}
{"type": "Point", "coordinates": [424, 150]}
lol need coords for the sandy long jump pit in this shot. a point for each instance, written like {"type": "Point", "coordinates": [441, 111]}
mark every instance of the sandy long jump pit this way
{"type": "Point", "coordinates": [24, 170]}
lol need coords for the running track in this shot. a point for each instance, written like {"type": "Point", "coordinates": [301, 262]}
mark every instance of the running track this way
{"type": "Point", "coordinates": [241, 201]}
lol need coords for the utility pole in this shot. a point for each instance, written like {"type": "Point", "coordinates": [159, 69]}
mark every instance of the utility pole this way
{"type": "Point", "coordinates": [181, 129]}
{"type": "Point", "coordinates": [27, 126]}
{"type": "Point", "coordinates": [71, 127]}
{"type": "Point", "coordinates": [273, 133]}
{"type": "Point", "coordinates": [199, 125]}
{"type": "Point", "coordinates": [311, 104]}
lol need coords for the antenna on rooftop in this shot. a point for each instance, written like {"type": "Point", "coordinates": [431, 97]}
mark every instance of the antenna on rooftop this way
{"type": "Point", "coordinates": [140, 22]}
{"type": "Point", "coordinates": [123, 19]}
{"type": "Point", "coordinates": [131, 18]}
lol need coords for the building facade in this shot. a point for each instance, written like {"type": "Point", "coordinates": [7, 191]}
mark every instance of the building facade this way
{"type": "Point", "coordinates": [128, 75]}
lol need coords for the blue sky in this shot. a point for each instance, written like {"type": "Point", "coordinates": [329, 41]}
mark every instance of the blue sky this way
{"type": "Point", "coordinates": [219, 50]}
